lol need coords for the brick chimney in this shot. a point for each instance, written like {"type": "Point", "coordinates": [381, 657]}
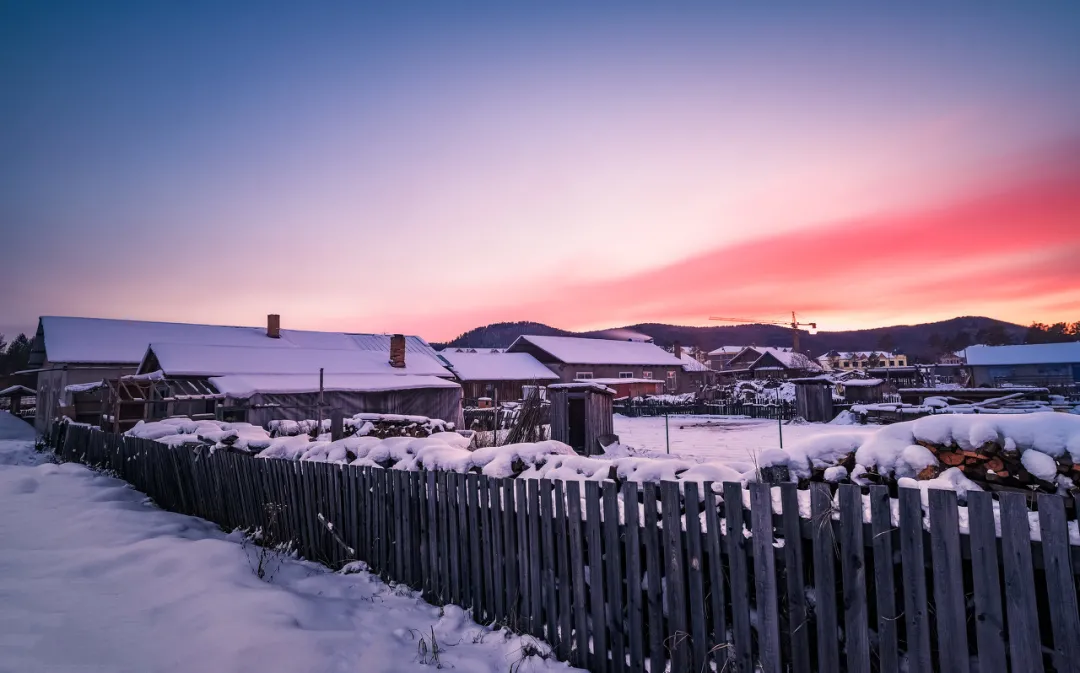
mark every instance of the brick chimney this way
{"type": "Point", "coordinates": [273, 326]}
{"type": "Point", "coordinates": [678, 350]}
{"type": "Point", "coordinates": [397, 351]}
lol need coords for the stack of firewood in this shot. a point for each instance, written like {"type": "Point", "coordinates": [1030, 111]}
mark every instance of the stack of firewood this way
{"type": "Point", "coordinates": [996, 468]}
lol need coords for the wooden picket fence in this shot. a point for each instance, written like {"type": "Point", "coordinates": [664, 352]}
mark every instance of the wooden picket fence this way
{"type": "Point", "coordinates": [629, 577]}
{"type": "Point", "coordinates": [784, 411]}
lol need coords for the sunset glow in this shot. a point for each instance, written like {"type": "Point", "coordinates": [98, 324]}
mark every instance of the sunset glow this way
{"type": "Point", "coordinates": [406, 171]}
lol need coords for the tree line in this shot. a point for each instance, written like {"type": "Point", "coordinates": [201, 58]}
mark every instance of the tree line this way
{"type": "Point", "coordinates": [14, 355]}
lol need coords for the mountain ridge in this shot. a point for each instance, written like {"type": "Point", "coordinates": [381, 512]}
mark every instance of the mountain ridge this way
{"type": "Point", "coordinates": [921, 341]}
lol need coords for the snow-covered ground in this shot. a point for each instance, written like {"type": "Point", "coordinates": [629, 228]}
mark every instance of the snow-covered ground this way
{"type": "Point", "coordinates": [93, 577]}
{"type": "Point", "coordinates": [723, 438]}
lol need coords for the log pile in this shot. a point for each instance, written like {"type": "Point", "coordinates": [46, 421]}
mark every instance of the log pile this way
{"type": "Point", "coordinates": [992, 467]}
{"type": "Point", "coordinates": [996, 468]}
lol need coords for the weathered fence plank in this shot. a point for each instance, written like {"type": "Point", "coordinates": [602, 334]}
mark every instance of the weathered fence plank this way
{"type": "Point", "coordinates": [717, 602]}
{"type": "Point", "coordinates": [634, 614]}
{"type": "Point", "coordinates": [476, 575]}
{"type": "Point", "coordinates": [917, 620]}
{"type": "Point", "coordinates": [613, 566]}
{"type": "Point", "coordinates": [547, 565]}
{"type": "Point", "coordinates": [765, 578]}
{"type": "Point", "coordinates": [853, 569]}
{"type": "Point", "coordinates": [986, 583]}
{"type": "Point", "coordinates": [739, 578]}
{"type": "Point", "coordinates": [678, 630]}
{"type": "Point", "coordinates": [695, 563]}
{"type": "Point", "coordinates": [597, 601]}
{"type": "Point", "coordinates": [1025, 648]}
{"type": "Point", "coordinates": [580, 655]}
{"type": "Point", "coordinates": [948, 582]}
{"type": "Point", "coordinates": [654, 574]}
{"type": "Point", "coordinates": [535, 556]}
{"type": "Point", "coordinates": [798, 627]}
{"type": "Point", "coordinates": [824, 577]}
{"type": "Point", "coordinates": [881, 529]}
{"type": "Point", "coordinates": [1060, 581]}
{"type": "Point", "coordinates": [510, 549]}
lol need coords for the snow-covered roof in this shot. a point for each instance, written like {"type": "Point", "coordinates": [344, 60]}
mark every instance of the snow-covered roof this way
{"type": "Point", "coordinates": [595, 387]}
{"type": "Point", "coordinates": [727, 350]}
{"type": "Point", "coordinates": [856, 355]}
{"type": "Point", "coordinates": [497, 366]}
{"type": "Point", "coordinates": [863, 383]}
{"type": "Point", "coordinates": [787, 358]}
{"type": "Point", "coordinates": [103, 340]}
{"type": "Point", "coordinates": [1028, 354]}
{"type": "Point", "coordinates": [245, 385]}
{"type": "Point", "coordinates": [615, 382]}
{"type": "Point", "coordinates": [579, 350]}
{"type": "Point", "coordinates": [11, 391]}
{"type": "Point", "coordinates": [692, 364]}
{"type": "Point", "coordinates": [187, 359]}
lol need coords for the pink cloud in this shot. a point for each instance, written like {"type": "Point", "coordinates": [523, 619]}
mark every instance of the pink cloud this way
{"type": "Point", "coordinates": [1020, 243]}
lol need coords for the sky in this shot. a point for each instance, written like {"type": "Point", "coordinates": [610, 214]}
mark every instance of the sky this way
{"type": "Point", "coordinates": [431, 167]}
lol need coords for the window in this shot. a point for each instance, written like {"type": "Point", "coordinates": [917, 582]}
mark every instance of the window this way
{"type": "Point", "coordinates": [626, 375]}
{"type": "Point", "coordinates": [583, 375]}
{"type": "Point", "coordinates": [892, 363]}
{"type": "Point", "coordinates": [646, 375]}
{"type": "Point", "coordinates": [671, 379]}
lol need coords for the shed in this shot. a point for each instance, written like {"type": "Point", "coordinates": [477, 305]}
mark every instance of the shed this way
{"type": "Point", "coordinates": [813, 399]}
{"type": "Point", "coordinates": [581, 414]}
{"type": "Point", "coordinates": [17, 399]}
{"type": "Point", "coordinates": [863, 391]}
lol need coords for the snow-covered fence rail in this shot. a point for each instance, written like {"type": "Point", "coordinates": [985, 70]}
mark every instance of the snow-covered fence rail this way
{"type": "Point", "coordinates": [783, 411]}
{"type": "Point", "coordinates": [684, 579]}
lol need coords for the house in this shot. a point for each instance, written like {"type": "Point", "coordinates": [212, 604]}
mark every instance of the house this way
{"type": "Point", "coordinates": [696, 374]}
{"type": "Point", "coordinates": [581, 359]}
{"type": "Point", "coordinates": [771, 362]}
{"type": "Point", "coordinates": [74, 356]}
{"type": "Point", "coordinates": [1029, 364]}
{"type": "Point", "coordinates": [841, 360]}
{"type": "Point", "coordinates": [719, 358]}
{"type": "Point", "coordinates": [261, 384]}
{"type": "Point", "coordinates": [782, 364]}
{"type": "Point", "coordinates": [495, 374]}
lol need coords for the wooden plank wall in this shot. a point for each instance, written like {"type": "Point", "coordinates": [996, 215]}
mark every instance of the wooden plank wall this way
{"type": "Point", "coordinates": [671, 577]}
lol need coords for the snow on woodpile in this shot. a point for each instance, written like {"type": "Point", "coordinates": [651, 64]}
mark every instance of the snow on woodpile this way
{"type": "Point", "coordinates": [216, 434]}
{"type": "Point", "coordinates": [547, 459]}
{"type": "Point", "coordinates": [366, 424]}
{"type": "Point", "coordinates": [1039, 451]}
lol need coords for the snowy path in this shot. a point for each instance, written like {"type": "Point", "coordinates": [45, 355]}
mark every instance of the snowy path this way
{"type": "Point", "coordinates": [95, 578]}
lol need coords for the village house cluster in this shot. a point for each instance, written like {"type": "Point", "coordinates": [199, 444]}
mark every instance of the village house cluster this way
{"type": "Point", "coordinates": [114, 373]}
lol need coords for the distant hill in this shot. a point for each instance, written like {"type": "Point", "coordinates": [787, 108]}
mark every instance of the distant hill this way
{"type": "Point", "coordinates": [914, 340]}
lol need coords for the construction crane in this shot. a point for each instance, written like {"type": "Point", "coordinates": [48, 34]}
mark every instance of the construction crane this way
{"type": "Point", "coordinates": [794, 325]}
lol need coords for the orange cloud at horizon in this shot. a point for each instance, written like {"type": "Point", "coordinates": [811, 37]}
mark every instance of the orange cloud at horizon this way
{"type": "Point", "coordinates": [1013, 254]}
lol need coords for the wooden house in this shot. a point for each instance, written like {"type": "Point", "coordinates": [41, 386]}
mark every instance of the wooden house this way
{"type": "Point", "coordinates": [577, 358]}
{"type": "Point", "coordinates": [494, 374]}
{"type": "Point", "coordinates": [73, 357]}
